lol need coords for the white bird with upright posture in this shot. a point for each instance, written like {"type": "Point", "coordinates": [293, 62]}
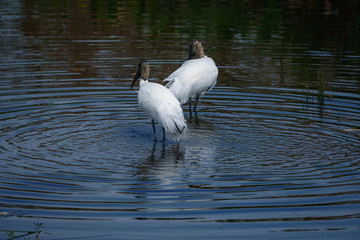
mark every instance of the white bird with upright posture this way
{"type": "Point", "coordinates": [194, 78]}
{"type": "Point", "coordinates": [159, 104]}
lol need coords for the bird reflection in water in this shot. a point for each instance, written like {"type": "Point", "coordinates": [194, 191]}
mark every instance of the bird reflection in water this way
{"type": "Point", "coordinates": [160, 168]}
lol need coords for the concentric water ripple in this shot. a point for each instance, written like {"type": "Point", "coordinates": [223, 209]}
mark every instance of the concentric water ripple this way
{"type": "Point", "coordinates": [81, 149]}
{"type": "Point", "coordinates": [274, 154]}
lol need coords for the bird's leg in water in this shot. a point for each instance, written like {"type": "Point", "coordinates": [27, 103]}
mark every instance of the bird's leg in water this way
{"type": "Point", "coordinates": [195, 105]}
{"type": "Point", "coordinates": [163, 134]}
{"type": "Point", "coordinates": [190, 108]}
{"type": "Point", "coordinates": [153, 125]}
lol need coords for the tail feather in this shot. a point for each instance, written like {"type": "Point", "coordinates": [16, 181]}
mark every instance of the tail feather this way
{"type": "Point", "coordinates": [180, 129]}
{"type": "Point", "coordinates": [175, 128]}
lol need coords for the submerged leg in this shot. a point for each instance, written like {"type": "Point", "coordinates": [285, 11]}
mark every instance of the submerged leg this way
{"type": "Point", "coordinates": [163, 134]}
{"type": "Point", "coordinates": [153, 125]}
{"type": "Point", "coordinates": [190, 108]}
{"type": "Point", "coordinates": [195, 105]}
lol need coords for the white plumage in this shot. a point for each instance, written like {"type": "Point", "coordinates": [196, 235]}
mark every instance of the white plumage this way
{"type": "Point", "coordinates": [194, 78]}
{"type": "Point", "coordinates": [159, 104]}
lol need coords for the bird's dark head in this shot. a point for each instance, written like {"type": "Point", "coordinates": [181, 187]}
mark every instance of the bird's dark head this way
{"type": "Point", "coordinates": [143, 72]}
{"type": "Point", "coordinates": [196, 50]}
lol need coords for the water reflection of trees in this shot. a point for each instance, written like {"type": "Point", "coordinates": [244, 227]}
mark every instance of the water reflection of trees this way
{"type": "Point", "coordinates": [304, 20]}
{"type": "Point", "coordinates": [266, 35]}
{"type": "Point", "coordinates": [310, 22]}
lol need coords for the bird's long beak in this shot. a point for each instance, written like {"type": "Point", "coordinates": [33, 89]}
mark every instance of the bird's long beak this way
{"type": "Point", "coordinates": [137, 76]}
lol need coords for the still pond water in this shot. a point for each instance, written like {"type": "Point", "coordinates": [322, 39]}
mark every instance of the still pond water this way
{"type": "Point", "coordinates": [274, 153]}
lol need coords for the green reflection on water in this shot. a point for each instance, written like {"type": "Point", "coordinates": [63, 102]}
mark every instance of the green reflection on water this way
{"type": "Point", "coordinates": [311, 22]}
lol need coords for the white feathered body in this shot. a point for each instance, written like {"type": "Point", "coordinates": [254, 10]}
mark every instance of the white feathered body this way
{"type": "Point", "coordinates": [194, 78]}
{"type": "Point", "coordinates": [162, 106]}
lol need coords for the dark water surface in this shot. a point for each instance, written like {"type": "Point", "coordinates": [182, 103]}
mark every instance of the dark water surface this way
{"type": "Point", "coordinates": [274, 154]}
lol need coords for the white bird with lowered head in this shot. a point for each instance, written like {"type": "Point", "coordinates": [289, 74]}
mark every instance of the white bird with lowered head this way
{"type": "Point", "coordinates": [194, 78]}
{"type": "Point", "coordinates": [159, 104]}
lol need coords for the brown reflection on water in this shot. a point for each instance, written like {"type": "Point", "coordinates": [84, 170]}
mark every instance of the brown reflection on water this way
{"type": "Point", "coordinates": [263, 42]}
